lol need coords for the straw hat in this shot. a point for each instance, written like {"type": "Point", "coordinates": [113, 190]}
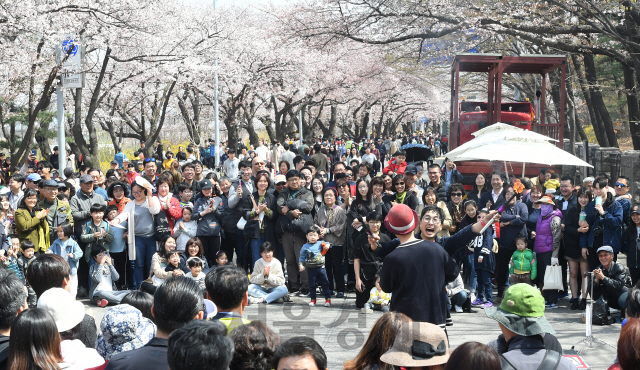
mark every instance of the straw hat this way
{"type": "Point", "coordinates": [418, 344]}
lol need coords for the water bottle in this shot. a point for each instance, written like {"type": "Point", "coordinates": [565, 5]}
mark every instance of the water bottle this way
{"type": "Point", "coordinates": [583, 216]}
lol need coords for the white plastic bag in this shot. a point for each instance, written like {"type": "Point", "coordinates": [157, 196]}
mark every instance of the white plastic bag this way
{"type": "Point", "coordinates": [553, 278]}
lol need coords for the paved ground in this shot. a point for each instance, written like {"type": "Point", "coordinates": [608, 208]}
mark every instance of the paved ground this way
{"type": "Point", "coordinates": [342, 330]}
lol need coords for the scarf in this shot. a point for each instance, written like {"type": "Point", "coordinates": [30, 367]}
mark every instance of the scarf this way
{"type": "Point", "coordinates": [400, 197]}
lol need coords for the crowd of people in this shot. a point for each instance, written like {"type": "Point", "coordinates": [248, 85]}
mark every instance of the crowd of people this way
{"type": "Point", "coordinates": [179, 247]}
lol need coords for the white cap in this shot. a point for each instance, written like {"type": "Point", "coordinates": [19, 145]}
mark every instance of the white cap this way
{"type": "Point", "coordinates": [605, 248]}
{"type": "Point", "coordinates": [67, 312]}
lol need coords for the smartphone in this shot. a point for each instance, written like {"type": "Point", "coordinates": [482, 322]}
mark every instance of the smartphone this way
{"type": "Point", "coordinates": [34, 152]}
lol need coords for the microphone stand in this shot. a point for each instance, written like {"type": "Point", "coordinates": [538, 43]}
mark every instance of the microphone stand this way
{"type": "Point", "coordinates": [590, 339]}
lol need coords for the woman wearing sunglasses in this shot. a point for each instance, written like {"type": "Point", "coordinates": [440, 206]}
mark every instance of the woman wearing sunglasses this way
{"type": "Point", "coordinates": [456, 210]}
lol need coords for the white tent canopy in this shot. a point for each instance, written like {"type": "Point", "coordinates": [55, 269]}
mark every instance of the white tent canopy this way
{"type": "Point", "coordinates": [508, 143]}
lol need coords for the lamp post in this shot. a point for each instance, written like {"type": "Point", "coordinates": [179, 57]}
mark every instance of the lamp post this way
{"type": "Point", "coordinates": [215, 104]}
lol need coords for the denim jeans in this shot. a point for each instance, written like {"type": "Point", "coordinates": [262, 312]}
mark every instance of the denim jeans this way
{"type": "Point", "coordinates": [471, 268]}
{"type": "Point", "coordinates": [319, 274]}
{"type": "Point", "coordinates": [459, 298]}
{"type": "Point", "coordinates": [113, 297]}
{"type": "Point", "coordinates": [255, 249]}
{"type": "Point", "coordinates": [485, 290]}
{"type": "Point", "coordinates": [270, 294]}
{"type": "Point", "coordinates": [145, 249]}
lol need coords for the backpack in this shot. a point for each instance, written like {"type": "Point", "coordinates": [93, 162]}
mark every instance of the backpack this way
{"type": "Point", "coordinates": [551, 361]}
{"type": "Point", "coordinates": [601, 315]}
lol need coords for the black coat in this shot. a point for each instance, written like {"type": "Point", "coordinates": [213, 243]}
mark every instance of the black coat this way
{"type": "Point", "coordinates": [269, 222]}
{"type": "Point", "coordinates": [630, 245]}
{"type": "Point", "coordinates": [410, 200]}
{"type": "Point", "coordinates": [482, 203]}
{"type": "Point", "coordinates": [570, 219]}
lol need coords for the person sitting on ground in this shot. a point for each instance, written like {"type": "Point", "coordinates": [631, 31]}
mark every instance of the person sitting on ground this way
{"type": "Point", "coordinates": [611, 280]}
{"type": "Point", "coordinates": [255, 345]}
{"type": "Point", "coordinates": [103, 274]}
{"type": "Point", "coordinates": [380, 340]}
{"type": "Point", "coordinates": [13, 300]}
{"type": "Point", "coordinates": [77, 330]}
{"type": "Point", "coordinates": [123, 328]}
{"type": "Point", "coordinates": [522, 322]}
{"type": "Point", "coordinates": [175, 303]}
{"type": "Point", "coordinates": [419, 345]}
{"type": "Point", "coordinates": [378, 299]}
{"type": "Point", "coordinates": [142, 301]}
{"type": "Point", "coordinates": [457, 294]}
{"type": "Point", "coordinates": [199, 345]}
{"type": "Point", "coordinates": [227, 289]}
{"type": "Point", "coordinates": [267, 278]}
{"type": "Point", "coordinates": [300, 353]}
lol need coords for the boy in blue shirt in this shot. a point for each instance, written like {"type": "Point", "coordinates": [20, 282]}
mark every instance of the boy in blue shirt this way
{"type": "Point", "coordinates": [312, 259]}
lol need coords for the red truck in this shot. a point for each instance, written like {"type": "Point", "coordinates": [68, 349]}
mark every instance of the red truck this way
{"type": "Point", "coordinates": [468, 117]}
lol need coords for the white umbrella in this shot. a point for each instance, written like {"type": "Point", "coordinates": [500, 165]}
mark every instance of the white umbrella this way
{"type": "Point", "coordinates": [514, 150]}
{"type": "Point", "coordinates": [501, 128]}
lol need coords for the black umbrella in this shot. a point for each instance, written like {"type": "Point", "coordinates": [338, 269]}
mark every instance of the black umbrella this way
{"type": "Point", "coordinates": [418, 153]}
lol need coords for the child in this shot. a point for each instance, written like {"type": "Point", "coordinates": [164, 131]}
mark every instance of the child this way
{"type": "Point", "coordinates": [68, 249]}
{"type": "Point", "coordinates": [397, 165]}
{"type": "Point", "coordinates": [378, 299]}
{"type": "Point", "coordinates": [221, 258]}
{"type": "Point", "coordinates": [96, 231]}
{"type": "Point", "coordinates": [267, 278]}
{"type": "Point", "coordinates": [195, 265]}
{"type": "Point", "coordinates": [553, 183]}
{"type": "Point", "coordinates": [470, 210]}
{"type": "Point", "coordinates": [523, 266]}
{"type": "Point", "coordinates": [173, 263]}
{"type": "Point", "coordinates": [184, 229]}
{"type": "Point", "coordinates": [131, 173]}
{"type": "Point", "coordinates": [186, 191]}
{"type": "Point", "coordinates": [25, 257]}
{"type": "Point", "coordinates": [118, 247]}
{"type": "Point", "coordinates": [103, 277]}
{"type": "Point", "coordinates": [11, 259]}
{"type": "Point", "coordinates": [312, 259]}
{"type": "Point", "coordinates": [485, 264]}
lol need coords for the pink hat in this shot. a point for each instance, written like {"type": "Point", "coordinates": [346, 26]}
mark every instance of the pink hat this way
{"type": "Point", "coordinates": [401, 220]}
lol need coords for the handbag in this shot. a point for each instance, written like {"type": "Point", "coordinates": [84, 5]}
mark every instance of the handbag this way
{"type": "Point", "coordinates": [161, 224]}
{"type": "Point", "coordinates": [553, 278]}
{"type": "Point", "coordinates": [242, 223]}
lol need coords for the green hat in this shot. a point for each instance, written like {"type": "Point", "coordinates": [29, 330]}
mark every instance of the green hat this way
{"type": "Point", "coordinates": [521, 311]}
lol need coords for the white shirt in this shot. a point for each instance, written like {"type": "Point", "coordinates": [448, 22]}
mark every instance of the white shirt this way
{"type": "Point", "coordinates": [369, 158]}
{"type": "Point", "coordinates": [495, 196]}
{"type": "Point", "coordinates": [231, 168]}
{"type": "Point", "coordinates": [263, 152]}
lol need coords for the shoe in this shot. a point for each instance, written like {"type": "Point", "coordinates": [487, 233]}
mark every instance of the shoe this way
{"type": "Point", "coordinates": [583, 304]}
{"type": "Point", "coordinates": [575, 304]}
{"type": "Point", "coordinates": [327, 303]}
{"type": "Point", "coordinates": [366, 310]}
{"type": "Point", "coordinates": [312, 303]}
{"type": "Point", "coordinates": [613, 311]}
{"type": "Point", "coordinates": [551, 306]}
{"type": "Point", "coordinates": [286, 298]}
{"type": "Point", "coordinates": [487, 305]}
{"type": "Point", "coordinates": [563, 296]}
{"type": "Point", "coordinates": [340, 295]}
{"type": "Point", "coordinates": [458, 309]}
{"type": "Point", "coordinates": [102, 303]}
{"type": "Point", "coordinates": [333, 293]}
{"type": "Point", "coordinates": [472, 297]}
{"type": "Point", "coordinates": [82, 293]}
{"type": "Point", "coordinates": [304, 293]}
{"type": "Point", "coordinates": [494, 283]}
{"type": "Point", "coordinates": [253, 300]}
{"type": "Point", "coordinates": [477, 302]}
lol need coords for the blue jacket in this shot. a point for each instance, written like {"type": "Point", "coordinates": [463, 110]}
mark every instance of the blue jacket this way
{"type": "Point", "coordinates": [64, 248]}
{"type": "Point", "coordinates": [611, 224]}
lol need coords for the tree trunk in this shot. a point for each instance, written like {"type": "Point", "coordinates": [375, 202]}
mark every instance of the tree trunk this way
{"type": "Point", "coordinates": [598, 102]}
{"type": "Point", "coordinates": [597, 127]}
{"type": "Point", "coordinates": [632, 105]}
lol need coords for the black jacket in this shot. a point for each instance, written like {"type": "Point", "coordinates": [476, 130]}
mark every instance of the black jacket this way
{"type": "Point", "coordinates": [410, 200]}
{"type": "Point", "coordinates": [630, 245]}
{"type": "Point", "coordinates": [4, 351]}
{"type": "Point", "coordinates": [485, 197]}
{"type": "Point", "coordinates": [526, 353]}
{"type": "Point", "coordinates": [570, 219]}
{"type": "Point", "coordinates": [615, 280]}
{"type": "Point", "coordinates": [152, 356]}
{"type": "Point", "coordinates": [441, 190]}
{"type": "Point", "coordinates": [451, 244]}
{"type": "Point", "coordinates": [269, 222]}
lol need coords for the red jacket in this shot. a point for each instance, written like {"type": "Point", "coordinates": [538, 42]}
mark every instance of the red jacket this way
{"type": "Point", "coordinates": [393, 168]}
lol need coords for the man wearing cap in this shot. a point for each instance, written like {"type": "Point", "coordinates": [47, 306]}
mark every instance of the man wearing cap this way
{"type": "Point", "coordinates": [32, 181]}
{"type": "Point", "coordinates": [113, 165]}
{"type": "Point", "coordinates": [410, 176]}
{"type": "Point", "coordinates": [59, 210]}
{"type": "Point", "coordinates": [611, 280]}
{"type": "Point", "coordinates": [521, 319]}
{"type": "Point", "coordinates": [80, 207]}
{"type": "Point", "coordinates": [417, 271]}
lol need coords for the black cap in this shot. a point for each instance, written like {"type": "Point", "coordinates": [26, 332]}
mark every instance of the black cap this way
{"type": "Point", "coordinates": [635, 209]}
{"type": "Point", "coordinates": [206, 184]}
{"type": "Point", "coordinates": [50, 183]}
{"type": "Point", "coordinates": [411, 169]}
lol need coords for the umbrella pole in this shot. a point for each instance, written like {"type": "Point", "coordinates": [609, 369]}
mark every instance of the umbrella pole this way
{"type": "Point", "coordinates": [523, 166]}
{"type": "Point", "coordinates": [506, 172]}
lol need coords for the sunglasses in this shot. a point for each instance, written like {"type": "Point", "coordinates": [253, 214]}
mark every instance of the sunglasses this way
{"type": "Point", "coordinates": [620, 185]}
{"type": "Point", "coordinates": [456, 194]}
{"type": "Point", "coordinates": [147, 160]}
